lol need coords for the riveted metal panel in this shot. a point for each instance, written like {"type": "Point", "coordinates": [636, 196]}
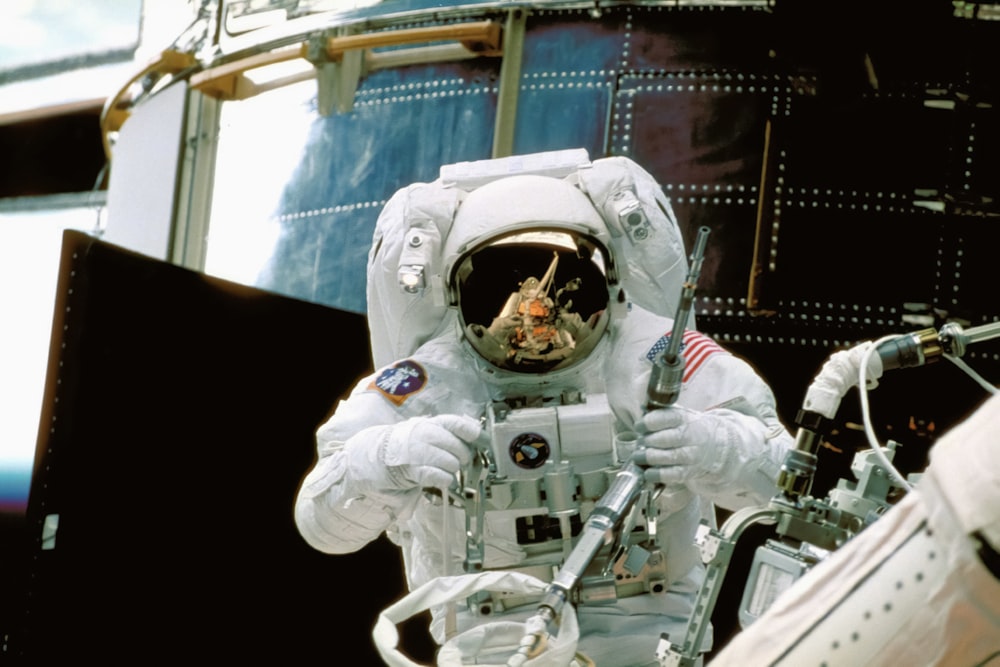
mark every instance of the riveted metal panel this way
{"type": "Point", "coordinates": [844, 159]}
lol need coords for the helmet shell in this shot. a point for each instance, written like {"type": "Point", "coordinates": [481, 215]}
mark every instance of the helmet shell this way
{"type": "Point", "coordinates": [521, 203]}
{"type": "Point", "coordinates": [528, 267]}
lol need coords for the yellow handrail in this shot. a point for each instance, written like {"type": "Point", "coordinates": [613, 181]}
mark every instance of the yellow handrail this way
{"type": "Point", "coordinates": [228, 81]}
{"type": "Point", "coordinates": [480, 38]}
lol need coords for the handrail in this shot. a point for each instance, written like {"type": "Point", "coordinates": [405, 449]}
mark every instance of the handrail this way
{"type": "Point", "coordinates": [479, 37]}
{"type": "Point", "coordinates": [228, 81]}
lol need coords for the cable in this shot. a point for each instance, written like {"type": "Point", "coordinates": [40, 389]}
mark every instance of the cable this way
{"type": "Point", "coordinates": [972, 373]}
{"type": "Point", "coordinates": [866, 416]}
{"type": "Point", "coordinates": [866, 411]}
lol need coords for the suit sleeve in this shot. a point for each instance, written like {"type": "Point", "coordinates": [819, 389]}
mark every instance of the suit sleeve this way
{"type": "Point", "coordinates": [336, 511]}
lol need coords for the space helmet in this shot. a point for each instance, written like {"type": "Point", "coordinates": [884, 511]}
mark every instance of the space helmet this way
{"type": "Point", "coordinates": [528, 267]}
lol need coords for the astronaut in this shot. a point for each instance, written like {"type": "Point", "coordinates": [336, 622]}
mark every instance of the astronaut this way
{"type": "Point", "coordinates": [538, 315]}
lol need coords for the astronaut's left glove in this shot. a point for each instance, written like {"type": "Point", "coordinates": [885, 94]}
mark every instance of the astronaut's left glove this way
{"type": "Point", "coordinates": [680, 445]}
{"type": "Point", "coordinates": [728, 455]}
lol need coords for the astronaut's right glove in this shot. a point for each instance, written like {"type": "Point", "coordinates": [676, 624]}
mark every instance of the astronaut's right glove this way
{"type": "Point", "coordinates": [420, 452]}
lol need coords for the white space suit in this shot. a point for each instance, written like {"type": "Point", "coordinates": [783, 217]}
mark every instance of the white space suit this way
{"type": "Point", "coordinates": [408, 426]}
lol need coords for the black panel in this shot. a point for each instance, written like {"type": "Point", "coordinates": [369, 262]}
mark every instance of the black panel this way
{"type": "Point", "coordinates": [847, 258]}
{"type": "Point", "coordinates": [725, 271]}
{"type": "Point", "coordinates": [53, 155]}
{"type": "Point", "coordinates": [699, 39]}
{"type": "Point", "coordinates": [969, 260]}
{"type": "Point", "coordinates": [982, 158]}
{"type": "Point", "coordinates": [867, 146]}
{"type": "Point", "coordinates": [703, 138]}
{"type": "Point", "coordinates": [698, 131]}
{"type": "Point", "coordinates": [178, 423]}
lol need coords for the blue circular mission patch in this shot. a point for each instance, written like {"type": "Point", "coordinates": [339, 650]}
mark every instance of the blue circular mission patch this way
{"type": "Point", "coordinates": [529, 450]}
{"type": "Point", "coordinates": [399, 381]}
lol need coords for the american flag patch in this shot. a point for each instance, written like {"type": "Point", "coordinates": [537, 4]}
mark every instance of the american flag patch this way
{"type": "Point", "coordinates": [695, 346]}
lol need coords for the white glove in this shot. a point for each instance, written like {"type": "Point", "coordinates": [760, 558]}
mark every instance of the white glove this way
{"type": "Point", "coordinates": [420, 452]}
{"type": "Point", "coordinates": [681, 445]}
